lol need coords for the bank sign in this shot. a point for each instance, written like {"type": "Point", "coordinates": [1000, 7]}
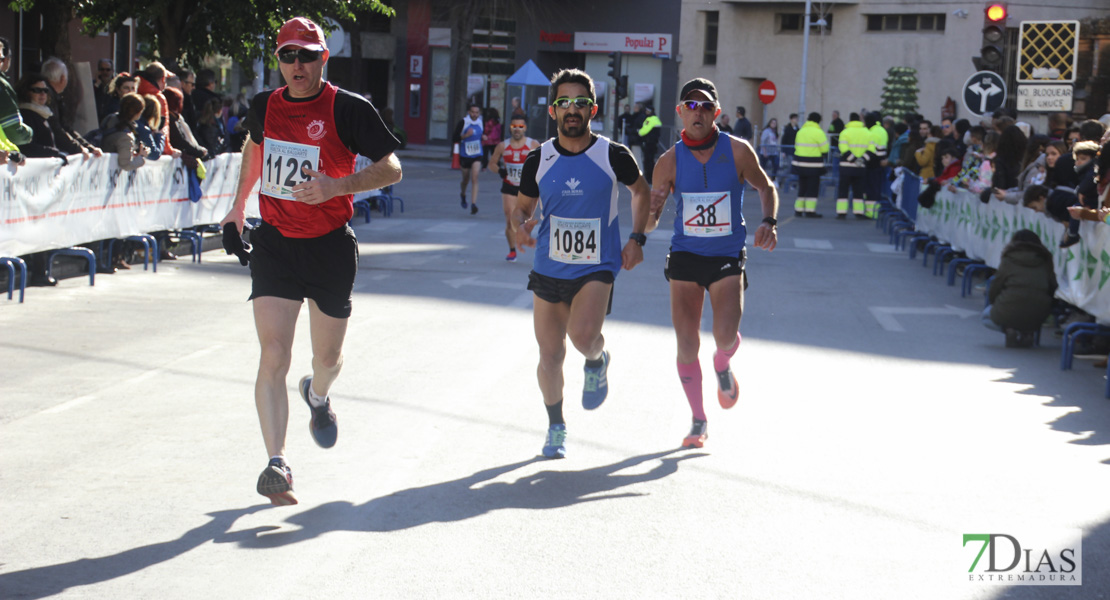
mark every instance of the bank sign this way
{"type": "Point", "coordinates": [657, 44]}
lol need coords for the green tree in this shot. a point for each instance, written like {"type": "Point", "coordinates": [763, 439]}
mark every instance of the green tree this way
{"type": "Point", "coordinates": [185, 31]}
{"type": "Point", "coordinates": [900, 92]}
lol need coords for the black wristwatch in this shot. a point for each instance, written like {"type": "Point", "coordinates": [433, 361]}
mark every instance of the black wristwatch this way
{"type": "Point", "coordinates": [771, 221]}
{"type": "Point", "coordinates": [639, 238]}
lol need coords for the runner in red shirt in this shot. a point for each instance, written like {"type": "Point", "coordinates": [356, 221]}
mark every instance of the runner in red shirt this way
{"type": "Point", "coordinates": [302, 145]}
{"type": "Point", "coordinates": [513, 151]}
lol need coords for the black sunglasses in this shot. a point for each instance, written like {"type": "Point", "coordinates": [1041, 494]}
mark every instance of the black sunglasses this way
{"type": "Point", "coordinates": [39, 90]}
{"type": "Point", "coordinates": [305, 55]}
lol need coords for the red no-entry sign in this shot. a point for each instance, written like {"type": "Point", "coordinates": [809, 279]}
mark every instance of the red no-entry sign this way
{"type": "Point", "coordinates": [767, 91]}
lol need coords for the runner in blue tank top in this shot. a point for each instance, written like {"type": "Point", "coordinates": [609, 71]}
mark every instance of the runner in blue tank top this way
{"type": "Point", "coordinates": [707, 171]}
{"type": "Point", "coordinates": [578, 245]}
{"type": "Point", "coordinates": [468, 135]}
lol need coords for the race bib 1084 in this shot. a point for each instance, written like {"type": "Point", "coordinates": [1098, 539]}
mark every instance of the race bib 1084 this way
{"type": "Point", "coordinates": [575, 241]}
{"type": "Point", "coordinates": [282, 164]}
{"type": "Point", "coordinates": [707, 214]}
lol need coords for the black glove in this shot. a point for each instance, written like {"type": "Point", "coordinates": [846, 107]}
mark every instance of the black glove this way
{"type": "Point", "coordinates": [503, 172]}
{"type": "Point", "coordinates": [234, 244]}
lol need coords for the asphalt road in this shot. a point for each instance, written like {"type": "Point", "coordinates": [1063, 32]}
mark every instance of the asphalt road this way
{"type": "Point", "coordinates": [878, 423]}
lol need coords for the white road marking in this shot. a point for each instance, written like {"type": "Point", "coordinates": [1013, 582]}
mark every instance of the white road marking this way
{"type": "Point", "coordinates": [68, 405]}
{"type": "Point", "coordinates": [885, 314]}
{"type": "Point", "coordinates": [474, 281]}
{"type": "Point", "coordinates": [808, 244]}
{"type": "Point", "coordinates": [882, 248]}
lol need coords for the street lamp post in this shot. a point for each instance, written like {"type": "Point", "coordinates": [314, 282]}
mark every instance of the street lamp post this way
{"type": "Point", "coordinates": [805, 59]}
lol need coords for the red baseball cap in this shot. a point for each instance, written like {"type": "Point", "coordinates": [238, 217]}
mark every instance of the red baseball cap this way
{"type": "Point", "coordinates": [300, 31]}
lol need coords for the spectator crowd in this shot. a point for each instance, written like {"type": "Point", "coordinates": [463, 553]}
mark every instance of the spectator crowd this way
{"type": "Point", "coordinates": [142, 116]}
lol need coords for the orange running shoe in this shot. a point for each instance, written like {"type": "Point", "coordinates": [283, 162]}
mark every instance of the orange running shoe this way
{"type": "Point", "coordinates": [698, 434]}
{"type": "Point", "coordinates": [727, 389]}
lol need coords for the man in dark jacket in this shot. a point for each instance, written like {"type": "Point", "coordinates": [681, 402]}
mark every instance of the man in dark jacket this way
{"type": "Point", "coordinates": [743, 127]}
{"type": "Point", "coordinates": [789, 132]}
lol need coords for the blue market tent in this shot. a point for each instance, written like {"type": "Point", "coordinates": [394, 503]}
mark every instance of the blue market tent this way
{"type": "Point", "coordinates": [531, 75]}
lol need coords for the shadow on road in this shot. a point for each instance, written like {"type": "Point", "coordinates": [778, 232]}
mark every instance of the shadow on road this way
{"type": "Point", "coordinates": [47, 581]}
{"type": "Point", "coordinates": [459, 499]}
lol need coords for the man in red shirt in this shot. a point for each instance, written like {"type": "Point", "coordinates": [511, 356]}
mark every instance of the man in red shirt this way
{"type": "Point", "coordinates": [302, 145]}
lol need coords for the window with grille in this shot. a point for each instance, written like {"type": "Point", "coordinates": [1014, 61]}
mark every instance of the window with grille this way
{"type": "Point", "coordinates": [915, 22]}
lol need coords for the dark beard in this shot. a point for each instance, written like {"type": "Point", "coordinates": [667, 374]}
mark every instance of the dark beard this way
{"type": "Point", "coordinates": [579, 130]}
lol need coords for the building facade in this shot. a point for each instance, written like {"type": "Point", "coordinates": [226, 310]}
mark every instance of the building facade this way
{"type": "Point", "coordinates": [574, 34]}
{"type": "Point", "coordinates": [739, 44]}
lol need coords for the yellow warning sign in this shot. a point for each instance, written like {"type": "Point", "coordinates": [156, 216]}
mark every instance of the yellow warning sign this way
{"type": "Point", "coordinates": [1048, 51]}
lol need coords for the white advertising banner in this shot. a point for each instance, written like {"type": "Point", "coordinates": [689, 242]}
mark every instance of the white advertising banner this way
{"type": "Point", "coordinates": [983, 230]}
{"type": "Point", "coordinates": [44, 205]}
{"type": "Point", "coordinates": [658, 44]}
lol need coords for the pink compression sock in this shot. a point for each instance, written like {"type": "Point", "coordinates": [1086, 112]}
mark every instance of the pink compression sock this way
{"type": "Point", "coordinates": [690, 376]}
{"type": "Point", "coordinates": [721, 358]}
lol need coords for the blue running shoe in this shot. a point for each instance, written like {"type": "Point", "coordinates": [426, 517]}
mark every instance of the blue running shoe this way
{"type": "Point", "coordinates": [553, 446]}
{"type": "Point", "coordinates": [596, 387]}
{"type": "Point", "coordinates": [323, 426]}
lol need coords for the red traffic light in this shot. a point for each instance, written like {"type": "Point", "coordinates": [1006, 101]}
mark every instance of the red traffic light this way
{"type": "Point", "coordinates": [996, 12]}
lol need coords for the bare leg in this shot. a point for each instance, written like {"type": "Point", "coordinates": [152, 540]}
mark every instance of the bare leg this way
{"type": "Point", "coordinates": [276, 321]}
{"type": "Point", "coordinates": [550, 321]}
{"type": "Point", "coordinates": [587, 315]}
{"type": "Point", "coordinates": [327, 348]}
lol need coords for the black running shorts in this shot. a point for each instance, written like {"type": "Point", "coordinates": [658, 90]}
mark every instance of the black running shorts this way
{"type": "Point", "coordinates": [465, 162]}
{"type": "Point", "coordinates": [553, 290]}
{"type": "Point", "coordinates": [704, 270]}
{"type": "Point", "coordinates": [510, 189]}
{"type": "Point", "coordinates": [321, 268]}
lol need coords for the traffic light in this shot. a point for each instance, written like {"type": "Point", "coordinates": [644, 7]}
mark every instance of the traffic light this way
{"type": "Point", "coordinates": [615, 65]}
{"type": "Point", "coordinates": [993, 55]}
{"type": "Point", "coordinates": [622, 87]}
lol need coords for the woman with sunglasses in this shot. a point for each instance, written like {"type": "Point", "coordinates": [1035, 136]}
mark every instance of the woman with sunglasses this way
{"type": "Point", "coordinates": [302, 144]}
{"type": "Point", "coordinates": [707, 173]}
{"type": "Point", "coordinates": [34, 95]}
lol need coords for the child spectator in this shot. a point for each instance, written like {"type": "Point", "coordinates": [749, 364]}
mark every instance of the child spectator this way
{"type": "Point", "coordinates": [1021, 293]}
{"type": "Point", "coordinates": [950, 162]}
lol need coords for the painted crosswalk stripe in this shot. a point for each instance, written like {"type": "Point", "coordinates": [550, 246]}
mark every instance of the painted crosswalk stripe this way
{"type": "Point", "coordinates": [807, 244]}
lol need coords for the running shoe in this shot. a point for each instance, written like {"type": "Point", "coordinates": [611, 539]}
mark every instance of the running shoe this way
{"type": "Point", "coordinates": [473, 209]}
{"type": "Point", "coordinates": [276, 483]}
{"type": "Point", "coordinates": [727, 390]}
{"type": "Point", "coordinates": [511, 257]}
{"type": "Point", "coordinates": [596, 387]}
{"type": "Point", "coordinates": [553, 446]}
{"type": "Point", "coordinates": [462, 200]}
{"type": "Point", "coordinates": [698, 434]}
{"type": "Point", "coordinates": [323, 425]}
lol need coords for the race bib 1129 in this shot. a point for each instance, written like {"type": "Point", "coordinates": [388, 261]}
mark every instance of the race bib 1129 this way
{"type": "Point", "coordinates": [281, 166]}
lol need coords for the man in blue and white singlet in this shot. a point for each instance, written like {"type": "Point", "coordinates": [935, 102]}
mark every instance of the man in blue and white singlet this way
{"type": "Point", "coordinates": [468, 135]}
{"type": "Point", "coordinates": [707, 171]}
{"type": "Point", "coordinates": [578, 245]}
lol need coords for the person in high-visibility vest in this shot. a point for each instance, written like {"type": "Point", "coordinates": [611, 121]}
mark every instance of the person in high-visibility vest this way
{"type": "Point", "coordinates": [810, 148]}
{"type": "Point", "coordinates": [855, 147]}
{"type": "Point", "coordinates": [876, 164]}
